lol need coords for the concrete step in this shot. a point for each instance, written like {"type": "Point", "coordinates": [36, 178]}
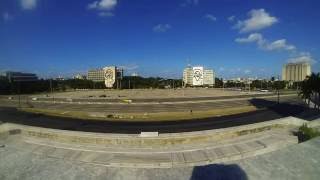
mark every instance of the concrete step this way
{"type": "Point", "coordinates": [238, 148]}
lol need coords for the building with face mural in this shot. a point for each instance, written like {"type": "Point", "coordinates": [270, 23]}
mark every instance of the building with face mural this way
{"type": "Point", "coordinates": [198, 76]}
{"type": "Point", "coordinates": [110, 75]}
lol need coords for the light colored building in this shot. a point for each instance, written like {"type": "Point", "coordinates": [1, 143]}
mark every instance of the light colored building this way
{"type": "Point", "coordinates": [96, 75]}
{"type": "Point", "coordinates": [79, 76]}
{"type": "Point", "coordinates": [208, 77]}
{"type": "Point", "coordinates": [198, 76]}
{"type": "Point", "coordinates": [135, 74]}
{"type": "Point", "coordinates": [187, 76]}
{"type": "Point", "coordinates": [296, 72]}
{"type": "Point", "coordinates": [110, 75]}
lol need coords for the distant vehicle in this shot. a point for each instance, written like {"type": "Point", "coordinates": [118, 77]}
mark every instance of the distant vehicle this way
{"type": "Point", "coordinates": [264, 90]}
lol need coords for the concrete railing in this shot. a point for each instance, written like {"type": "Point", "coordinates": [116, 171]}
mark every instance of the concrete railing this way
{"type": "Point", "coordinates": [165, 140]}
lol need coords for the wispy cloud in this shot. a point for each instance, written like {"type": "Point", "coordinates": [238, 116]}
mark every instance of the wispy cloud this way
{"type": "Point", "coordinates": [302, 57]}
{"type": "Point", "coordinates": [264, 44]}
{"type": "Point", "coordinates": [161, 28]}
{"type": "Point", "coordinates": [231, 18]}
{"type": "Point", "coordinates": [6, 16]}
{"type": "Point", "coordinates": [210, 17]}
{"type": "Point", "coordinates": [103, 4]}
{"type": "Point", "coordinates": [28, 4]}
{"type": "Point", "coordinates": [247, 71]}
{"type": "Point", "coordinates": [104, 7]}
{"type": "Point", "coordinates": [189, 3]}
{"type": "Point", "coordinates": [258, 19]}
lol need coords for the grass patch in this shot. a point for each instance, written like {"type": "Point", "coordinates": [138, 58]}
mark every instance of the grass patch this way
{"type": "Point", "coordinates": [306, 133]}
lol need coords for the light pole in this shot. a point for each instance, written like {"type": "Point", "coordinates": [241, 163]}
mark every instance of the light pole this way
{"type": "Point", "coordinates": [51, 90]}
{"type": "Point", "coordinates": [278, 84]}
{"type": "Point", "coordinates": [19, 94]}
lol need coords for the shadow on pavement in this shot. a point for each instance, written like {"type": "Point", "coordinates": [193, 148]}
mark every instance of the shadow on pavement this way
{"type": "Point", "coordinates": [287, 109]}
{"type": "Point", "coordinates": [218, 171]}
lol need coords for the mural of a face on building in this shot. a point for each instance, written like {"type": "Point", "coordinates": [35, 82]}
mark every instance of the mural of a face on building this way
{"type": "Point", "coordinates": [109, 76]}
{"type": "Point", "coordinates": [197, 76]}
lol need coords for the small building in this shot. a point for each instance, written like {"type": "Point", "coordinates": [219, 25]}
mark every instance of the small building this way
{"type": "Point", "coordinates": [20, 76]}
{"type": "Point", "coordinates": [80, 76]}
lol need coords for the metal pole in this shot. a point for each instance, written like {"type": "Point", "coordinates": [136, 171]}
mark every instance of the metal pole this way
{"type": "Point", "coordinates": [129, 83]}
{"type": "Point", "coordinates": [51, 90]}
{"type": "Point", "coordinates": [19, 93]}
{"type": "Point", "coordinates": [278, 90]}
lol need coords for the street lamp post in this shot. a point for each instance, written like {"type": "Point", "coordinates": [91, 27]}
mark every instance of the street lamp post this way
{"type": "Point", "coordinates": [19, 94]}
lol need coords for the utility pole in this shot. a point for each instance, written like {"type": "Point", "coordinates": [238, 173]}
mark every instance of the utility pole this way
{"type": "Point", "coordinates": [129, 84]}
{"type": "Point", "coordinates": [278, 90]}
{"type": "Point", "coordinates": [222, 85]}
{"type": "Point", "coordinates": [19, 94]}
{"type": "Point", "coordinates": [51, 89]}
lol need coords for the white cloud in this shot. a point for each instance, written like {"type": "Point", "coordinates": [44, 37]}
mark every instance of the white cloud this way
{"type": "Point", "coordinates": [161, 28]}
{"type": "Point", "coordinates": [258, 19]}
{"type": "Point", "coordinates": [6, 16]}
{"type": "Point", "coordinates": [103, 5]}
{"type": "Point", "coordinates": [303, 57]}
{"type": "Point", "coordinates": [262, 43]}
{"type": "Point", "coordinates": [231, 18]}
{"type": "Point", "coordinates": [254, 37]}
{"type": "Point", "coordinates": [210, 17]}
{"type": "Point", "coordinates": [279, 45]}
{"type": "Point", "coordinates": [28, 4]}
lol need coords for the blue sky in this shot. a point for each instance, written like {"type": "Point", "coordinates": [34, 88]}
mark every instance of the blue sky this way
{"type": "Point", "coordinates": [158, 37]}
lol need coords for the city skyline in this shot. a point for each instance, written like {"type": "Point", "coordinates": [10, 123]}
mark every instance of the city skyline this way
{"type": "Point", "coordinates": [157, 38]}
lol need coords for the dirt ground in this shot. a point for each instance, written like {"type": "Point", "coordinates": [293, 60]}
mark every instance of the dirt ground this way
{"type": "Point", "coordinates": [149, 93]}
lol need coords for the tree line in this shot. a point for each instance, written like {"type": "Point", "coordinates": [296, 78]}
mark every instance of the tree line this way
{"type": "Point", "coordinates": [128, 82]}
{"type": "Point", "coordinates": [48, 85]}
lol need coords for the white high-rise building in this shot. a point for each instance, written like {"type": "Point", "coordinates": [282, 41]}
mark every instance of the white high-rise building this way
{"type": "Point", "coordinates": [187, 76]}
{"type": "Point", "coordinates": [208, 77]}
{"type": "Point", "coordinates": [296, 71]}
{"type": "Point", "coordinates": [198, 76]}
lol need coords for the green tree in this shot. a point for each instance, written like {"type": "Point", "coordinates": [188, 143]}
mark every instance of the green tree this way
{"type": "Point", "coordinates": [310, 89]}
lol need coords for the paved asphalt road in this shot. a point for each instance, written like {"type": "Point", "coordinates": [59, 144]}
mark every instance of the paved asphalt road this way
{"type": "Point", "coordinates": [94, 99]}
{"type": "Point", "coordinates": [274, 111]}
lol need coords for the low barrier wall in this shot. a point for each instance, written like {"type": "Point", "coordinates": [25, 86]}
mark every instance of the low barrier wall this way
{"type": "Point", "coordinates": [165, 140]}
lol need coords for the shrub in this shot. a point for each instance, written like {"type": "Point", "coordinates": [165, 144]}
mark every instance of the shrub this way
{"type": "Point", "coordinates": [305, 133]}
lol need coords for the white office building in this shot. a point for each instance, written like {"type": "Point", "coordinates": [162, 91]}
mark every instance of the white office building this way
{"type": "Point", "coordinates": [198, 76]}
{"type": "Point", "coordinates": [296, 72]}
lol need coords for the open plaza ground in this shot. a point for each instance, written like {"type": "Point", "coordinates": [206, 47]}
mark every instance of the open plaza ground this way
{"type": "Point", "coordinates": [150, 93]}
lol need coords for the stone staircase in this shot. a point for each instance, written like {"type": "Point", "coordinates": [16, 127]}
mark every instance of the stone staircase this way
{"type": "Point", "coordinates": [157, 157]}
